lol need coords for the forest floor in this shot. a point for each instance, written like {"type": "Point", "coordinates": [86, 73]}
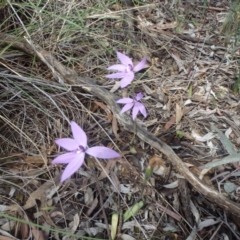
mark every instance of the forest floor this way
{"type": "Point", "coordinates": [178, 174]}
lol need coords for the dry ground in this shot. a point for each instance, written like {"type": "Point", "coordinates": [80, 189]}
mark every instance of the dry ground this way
{"type": "Point", "coordinates": [53, 61]}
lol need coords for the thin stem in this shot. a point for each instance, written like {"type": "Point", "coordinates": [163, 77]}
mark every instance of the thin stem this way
{"type": "Point", "coordinates": [134, 131]}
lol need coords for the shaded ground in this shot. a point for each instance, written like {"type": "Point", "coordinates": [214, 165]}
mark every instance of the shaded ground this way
{"type": "Point", "coordinates": [191, 88]}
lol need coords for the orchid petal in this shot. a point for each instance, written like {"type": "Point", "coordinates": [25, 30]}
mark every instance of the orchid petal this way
{"type": "Point", "coordinates": [64, 158]}
{"type": "Point", "coordinates": [135, 111]}
{"type": "Point", "coordinates": [73, 166]}
{"type": "Point", "coordinates": [127, 79]}
{"type": "Point", "coordinates": [116, 75]}
{"type": "Point", "coordinates": [102, 152]}
{"type": "Point", "coordinates": [117, 67]}
{"type": "Point", "coordinates": [142, 109]}
{"type": "Point", "coordinates": [67, 143]}
{"type": "Point", "coordinates": [139, 96]}
{"type": "Point", "coordinates": [140, 65]}
{"type": "Point", "coordinates": [124, 59]}
{"type": "Point", "coordinates": [127, 107]}
{"type": "Point", "coordinates": [78, 134]}
{"type": "Point", "coordinates": [125, 100]}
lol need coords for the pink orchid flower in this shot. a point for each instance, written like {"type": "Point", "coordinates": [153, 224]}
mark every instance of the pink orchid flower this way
{"type": "Point", "coordinates": [134, 104]}
{"type": "Point", "coordinates": [126, 70]}
{"type": "Point", "coordinates": [78, 148]}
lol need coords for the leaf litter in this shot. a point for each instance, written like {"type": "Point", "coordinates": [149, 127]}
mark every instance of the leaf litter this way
{"type": "Point", "coordinates": [191, 106]}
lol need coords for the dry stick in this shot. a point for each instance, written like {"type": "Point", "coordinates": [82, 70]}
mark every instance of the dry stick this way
{"type": "Point", "coordinates": [68, 76]}
{"type": "Point", "coordinates": [197, 150]}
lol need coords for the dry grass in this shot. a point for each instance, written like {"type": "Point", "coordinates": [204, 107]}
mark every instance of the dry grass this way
{"type": "Point", "coordinates": [190, 57]}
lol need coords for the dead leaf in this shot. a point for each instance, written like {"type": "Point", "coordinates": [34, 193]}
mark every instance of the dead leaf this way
{"type": "Point", "coordinates": [171, 185]}
{"type": "Point", "coordinates": [169, 212]}
{"type": "Point", "coordinates": [43, 194]}
{"type": "Point", "coordinates": [126, 237]}
{"type": "Point", "coordinates": [173, 118]}
{"type": "Point", "coordinates": [126, 189]}
{"type": "Point", "coordinates": [38, 235]}
{"type": "Point", "coordinates": [178, 60]}
{"type": "Point", "coordinates": [116, 86]}
{"type": "Point", "coordinates": [179, 113]}
{"type": "Point", "coordinates": [168, 105]}
{"type": "Point", "coordinates": [115, 181]}
{"type": "Point", "coordinates": [11, 208]}
{"type": "Point", "coordinates": [207, 223]}
{"type": "Point", "coordinates": [143, 22]}
{"type": "Point", "coordinates": [24, 230]}
{"type": "Point", "coordinates": [170, 122]}
{"type": "Point", "coordinates": [6, 238]}
{"type": "Point", "coordinates": [150, 122]}
{"type": "Point", "coordinates": [37, 195]}
{"type": "Point", "coordinates": [56, 213]}
{"type": "Point", "coordinates": [204, 138]}
{"type": "Point", "coordinates": [199, 74]}
{"type": "Point", "coordinates": [93, 231]}
{"type": "Point", "coordinates": [147, 89]}
{"type": "Point", "coordinates": [34, 160]}
{"type": "Point", "coordinates": [8, 226]}
{"type": "Point", "coordinates": [107, 169]}
{"type": "Point", "coordinates": [74, 224]}
{"type": "Point", "coordinates": [165, 26]}
{"type": "Point", "coordinates": [106, 109]}
{"type": "Point", "coordinates": [126, 167]}
{"type": "Point", "coordinates": [88, 196]}
{"type": "Point", "coordinates": [115, 128]}
{"type": "Point", "coordinates": [92, 207]}
{"type": "Point", "coordinates": [204, 172]}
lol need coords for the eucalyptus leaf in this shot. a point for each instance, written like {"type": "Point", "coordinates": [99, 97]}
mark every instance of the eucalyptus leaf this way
{"type": "Point", "coordinates": [229, 159]}
{"type": "Point", "coordinates": [224, 140]}
{"type": "Point", "coordinates": [236, 174]}
{"type": "Point", "coordinates": [172, 185]}
{"type": "Point", "coordinates": [230, 187]}
{"type": "Point", "coordinates": [233, 155]}
{"type": "Point", "coordinates": [207, 223]}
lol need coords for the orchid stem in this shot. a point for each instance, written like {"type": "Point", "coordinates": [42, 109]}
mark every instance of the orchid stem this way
{"type": "Point", "coordinates": [134, 132]}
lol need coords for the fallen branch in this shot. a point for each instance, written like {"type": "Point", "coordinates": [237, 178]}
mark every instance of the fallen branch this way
{"type": "Point", "coordinates": [68, 76]}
